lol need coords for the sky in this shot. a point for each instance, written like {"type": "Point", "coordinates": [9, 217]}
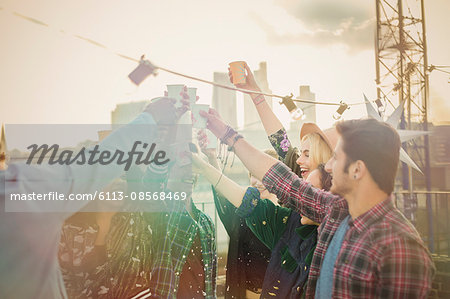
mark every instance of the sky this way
{"type": "Point", "coordinates": [49, 77]}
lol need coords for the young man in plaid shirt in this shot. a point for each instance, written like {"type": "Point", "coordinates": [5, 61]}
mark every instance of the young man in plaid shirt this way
{"type": "Point", "coordinates": [366, 247]}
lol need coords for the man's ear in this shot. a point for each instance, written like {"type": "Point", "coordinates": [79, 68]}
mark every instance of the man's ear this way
{"type": "Point", "coordinates": [358, 170]}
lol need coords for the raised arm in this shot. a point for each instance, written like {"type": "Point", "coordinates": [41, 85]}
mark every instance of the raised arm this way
{"type": "Point", "coordinates": [277, 177]}
{"type": "Point", "coordinates": [229, 189]}
{"type": "Point", "coordinates": [265, 219]}
{"type": "Point", "coordinates": [210, 153]}
{"type": "Point", "coordinates": [274, 129]}
{"type": "Point", "coordinates": [257, 162]}
{"type": "Point", "coordinates": [225, 209]}
{"type": "Point", "coordinates": [142, 128]}
{"type": "Point", "coordinates": [269, 120]}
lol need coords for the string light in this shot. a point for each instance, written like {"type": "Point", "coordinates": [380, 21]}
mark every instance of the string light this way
{"type": "Point", "coordinates": [296, 113]}
{"type": "Point", "coordinates": [146, 68]}
{"type": "Point", "coordinates": [142, 71]}
{"type": "Point", "coordinates": [338, 114]}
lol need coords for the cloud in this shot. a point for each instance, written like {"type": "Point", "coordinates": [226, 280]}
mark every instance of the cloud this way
{"type": "Point", "coordinates": [328, 22]}
{"type": "Point", "coordinates": [329, 14]}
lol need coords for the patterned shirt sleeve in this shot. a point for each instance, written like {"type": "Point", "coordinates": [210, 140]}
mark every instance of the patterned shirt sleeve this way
{"type": "Point", "coordinates": [249, 202]}
{"type": "Point", "coordinates": [266, 220]}
{"type": "Point", "coordinates": [286, 153]}
{"type": "Point", "coordinates": [406, 270]}
{"type": "Point", "coordinates": [297, 194]}
{"type": "Point", "coordinates": [280, 142]}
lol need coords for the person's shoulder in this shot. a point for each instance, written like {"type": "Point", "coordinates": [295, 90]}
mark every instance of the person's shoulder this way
{"type": "Point", "coordinates": [400, 225]}
{"type": "Point", "coordinates": [395, 228]}
{"type": "Point", "coordinates": [201, 215]}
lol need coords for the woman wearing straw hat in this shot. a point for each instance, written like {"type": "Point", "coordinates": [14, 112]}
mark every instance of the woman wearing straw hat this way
{"type": "Point", "coordinates": [316, 145]}
{"type": "Point", "coordinates": [290, 238]}
{"type": "Point", "coordinates": [290, 242]}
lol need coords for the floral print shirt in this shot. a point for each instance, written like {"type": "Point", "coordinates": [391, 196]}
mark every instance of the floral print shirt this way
{"type": "Point", "coordinates": [286, 153]}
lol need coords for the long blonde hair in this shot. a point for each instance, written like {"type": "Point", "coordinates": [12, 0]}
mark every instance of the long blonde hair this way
{"type": "Point", "coordinates": [319, 151]}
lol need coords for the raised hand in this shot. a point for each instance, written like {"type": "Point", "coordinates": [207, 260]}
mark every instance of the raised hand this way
{"type": "Point", "coordinates": [185, 102]}
{"type": "Point", "coordinates": [203, 142]}
{"type": "Point", "coordinates": [250, 82]}
{"type": "Point", "coordinates": [215, 123]}
{"type": "Point", "coordinates": [163, 110]}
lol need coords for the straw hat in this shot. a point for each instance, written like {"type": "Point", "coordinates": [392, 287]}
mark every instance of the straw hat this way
{"type": "Point", "coordinates": [330, 135]}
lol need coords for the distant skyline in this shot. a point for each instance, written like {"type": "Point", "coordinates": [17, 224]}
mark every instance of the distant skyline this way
{"type": "Point", "coordinates": [50, 77]}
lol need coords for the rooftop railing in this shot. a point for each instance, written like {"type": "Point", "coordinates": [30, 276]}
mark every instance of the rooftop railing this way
{"type": "Point", "coordinates": [430, 214]}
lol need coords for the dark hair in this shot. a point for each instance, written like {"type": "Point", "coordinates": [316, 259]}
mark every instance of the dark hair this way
{"type": "Point", "coordinates": [325, 177]}
{"type": "Point", "coordinates": [375, 143]}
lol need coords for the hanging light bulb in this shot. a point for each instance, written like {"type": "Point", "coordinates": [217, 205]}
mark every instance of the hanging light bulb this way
{"type": "Point", "coordinates": [142, 71]}
{"type": "Point", "coordinates": [380, 106]}
{"type": "Point", "coordinates": [296, 113]}
{"type": "Point", "coordinates": [338, 114]}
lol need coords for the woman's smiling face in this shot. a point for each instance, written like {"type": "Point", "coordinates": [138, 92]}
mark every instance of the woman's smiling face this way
{"type": "Point", "coordinates": [303, 160]}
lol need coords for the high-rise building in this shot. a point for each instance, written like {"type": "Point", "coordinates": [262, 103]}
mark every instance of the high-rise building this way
{"type": "Point", "coordinates": [251, 117]}
{"type": "Point", "coordinates": [440, 157]}
{"type": "Point", "coordinates": [126, 112]}
{"type": "Point", "coordinates": [224, 100]}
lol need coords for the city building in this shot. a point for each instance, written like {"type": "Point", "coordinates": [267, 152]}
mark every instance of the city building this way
{"type": "Point", "coordinates": [126, 112]}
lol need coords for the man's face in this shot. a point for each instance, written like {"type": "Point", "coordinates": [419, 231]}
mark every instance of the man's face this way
{"type": "Point", "coordinates": [341, 182]}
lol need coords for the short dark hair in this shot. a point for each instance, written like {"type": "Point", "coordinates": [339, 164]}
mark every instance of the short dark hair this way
{"type": "Point", "coordinates": [375, 143]}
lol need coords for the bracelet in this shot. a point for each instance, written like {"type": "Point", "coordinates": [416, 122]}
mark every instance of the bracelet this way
{"type": "Point", "coordinates": [228, 134]}
{"type": "Point", "coordinates": [259, 99]}
{"type": "Point", "coordinates": [235, 139]}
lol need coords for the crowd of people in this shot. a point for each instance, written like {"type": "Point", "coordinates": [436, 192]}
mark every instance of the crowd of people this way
{"type": "Point", "coordinates": [316, 221]}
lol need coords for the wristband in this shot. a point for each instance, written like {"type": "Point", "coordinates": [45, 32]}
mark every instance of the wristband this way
{"type": "Point", "coordinates": [228, 134]}
{"type": "Point", "coordinates": [259, 99]}
{"type": "Point", "coordinates": [235, 139]}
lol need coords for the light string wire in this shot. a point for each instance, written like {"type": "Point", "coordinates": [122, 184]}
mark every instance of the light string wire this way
{"type": "Point", "coordinates": [100, 45]}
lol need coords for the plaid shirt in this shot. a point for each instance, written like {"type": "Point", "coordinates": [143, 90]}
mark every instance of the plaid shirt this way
{"type": "Point", "coordinates": [382, 255]}
{"type": "Point", "coordinates": [173, 236]}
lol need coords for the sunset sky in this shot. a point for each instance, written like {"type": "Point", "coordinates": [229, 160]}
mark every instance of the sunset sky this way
{"type": "Point", "coordinates": [50, 77]}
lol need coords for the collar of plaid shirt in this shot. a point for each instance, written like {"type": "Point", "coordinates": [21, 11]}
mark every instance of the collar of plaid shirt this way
{"type": "Point", "coordinates": [174, 239]}
{"type": "Point", "coordinates": [382, 253]}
